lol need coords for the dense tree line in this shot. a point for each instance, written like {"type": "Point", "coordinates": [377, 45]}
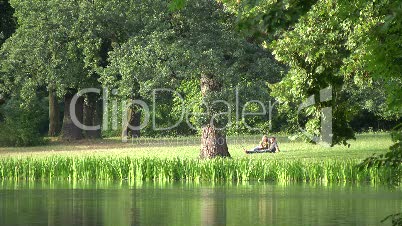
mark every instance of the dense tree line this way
{"type": "Point", "coordinates": [61, 47]}
{"type": "Point", "coordinates": [205, 51]}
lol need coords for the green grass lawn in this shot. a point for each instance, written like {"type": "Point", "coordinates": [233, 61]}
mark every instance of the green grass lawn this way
{"type": "Point", "coordinates": [177, 159]}
{"type": "Point", "coordinates": [365, 145]}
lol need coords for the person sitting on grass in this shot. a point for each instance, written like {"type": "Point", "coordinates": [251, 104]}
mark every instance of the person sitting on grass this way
{"type": "Point", "coordinates": [263, 147]}
{"type": "Point", "coordinates": [273, 145]}
{"type": "Point", "coordinates": [266, 145]}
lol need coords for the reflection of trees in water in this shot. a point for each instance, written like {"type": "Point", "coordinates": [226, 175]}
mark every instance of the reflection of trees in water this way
{"type": "Point", "coordinates": [135, 211]}
{"type": "Point", "coordinates": [168, 204]}
{"type": "Point", "coordinates": [197, 205]}
{"type": "Point", "coordinates": [221, 206]}
{"type": "Point", "coordinates": [88, 207]}
{"type": "Point", "coordinates": [213, 206]}
{"type": "Point", "coordinates": [76, 207]}
{"type": "Point", "coordinates": [265, 208]}
{"type": "Point", "coordinates": [117, 208]}
{"type": "Point", "coordinates": [50, 210]}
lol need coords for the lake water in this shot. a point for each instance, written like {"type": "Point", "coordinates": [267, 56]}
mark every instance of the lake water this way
{"type": "Point", "coordinates": [190, 204]}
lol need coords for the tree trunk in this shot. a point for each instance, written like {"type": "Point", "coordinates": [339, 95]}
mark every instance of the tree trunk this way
{"type": "Point", "coordinates": [134, 119]}
{"type": "Point", "coordinates": [70, 131]}
{"type": "Point", "coordinates": [213, 141]}
{"type": "Point", "coordinates": [92, 115]}
{"type": "Point", "coordinates": [54, 114]}
{"type": "Point", "coordinates": [2, 101]}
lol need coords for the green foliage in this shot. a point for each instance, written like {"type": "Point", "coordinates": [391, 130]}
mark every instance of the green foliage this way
{"type": "Point", "coordinates": [263, 21]}
{"type": "Point", "coordinates": [384, 58]}
{"type": "Point", "coordinates": [396, 219]}
{"type": "Point", "coordinates": [7, 22]}
{"type": "Point", "coordinates": [391, 159]}
{"type": "Point", "coordinates": [314, 50]}
{"type": "Point", "coordinates": [329, 43]}
{"type": "Point", "coordinates": [383, 48]}
{"type": "Point", "coordinates": [174, 49]}
{"type": "Point", "coordinates": [177, 5]}
{"type": "Point", "coordinates": [42, 52]}
{"type": "Point", "coordinates": [354, 47]}
{"type": "Point", "coordinates": [62, 44]}
{"type": "Point", "coordinates": [22, 122]}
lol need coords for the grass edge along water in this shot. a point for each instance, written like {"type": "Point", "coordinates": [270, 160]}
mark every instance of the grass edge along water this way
{"type": "Point", "coordinates": [177, 169]}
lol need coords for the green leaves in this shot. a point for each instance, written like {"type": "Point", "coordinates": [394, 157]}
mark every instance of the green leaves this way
{"type": "Point", "coordinates": [22, 122]}
{"type": "Point", "coordinates": [384, 51]}
{"type": "Point", "coordinates": [7, 21]}
{"type": "Point", "coordinates": [176, 5]}
{"type": "Point", "coordinates": [330, 45]}
{"type": "Point", "coordinates": [267, 20]}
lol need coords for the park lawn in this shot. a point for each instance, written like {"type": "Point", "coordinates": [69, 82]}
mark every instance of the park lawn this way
{"type": "Point", "coordinates": [188, 148]}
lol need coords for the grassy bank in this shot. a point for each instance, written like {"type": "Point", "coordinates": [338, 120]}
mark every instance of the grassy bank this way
{"type": "Point", "coordinates": [177, 159]}
{"type": "Point", "coordinates": [155, 169]}
{"type": "Point", "coordinates": [188, 148]}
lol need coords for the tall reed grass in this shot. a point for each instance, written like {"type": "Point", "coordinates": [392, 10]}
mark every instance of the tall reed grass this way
{"type": "Point", "coordinates": [156, 169]}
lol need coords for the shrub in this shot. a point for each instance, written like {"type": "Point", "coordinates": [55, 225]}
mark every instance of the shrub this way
{"type": "Point", "coordinates": [21, 123]}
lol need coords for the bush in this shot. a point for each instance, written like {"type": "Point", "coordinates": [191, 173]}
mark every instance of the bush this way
{"type": "Point", "coordinates": [21, 123]}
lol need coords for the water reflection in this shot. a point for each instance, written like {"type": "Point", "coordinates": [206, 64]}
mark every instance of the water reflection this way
{"type": "Point", "coordinates": [194, 204]}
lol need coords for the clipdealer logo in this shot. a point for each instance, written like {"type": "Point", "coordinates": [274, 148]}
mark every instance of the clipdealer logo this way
{"type": "Point", "coordinates": [326, 134]}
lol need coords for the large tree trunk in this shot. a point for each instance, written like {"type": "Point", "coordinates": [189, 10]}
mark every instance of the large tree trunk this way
{"type": "Point", "coordinates": [70, 131]}
{"type": "Point", "coordinates": [213, 141]}
{"type": "Point", "coordinates": [92, 111]}
{"type": "Point", "coordinates": [134, 119]}
{"type": "Point", "coordinates": [54, 114]}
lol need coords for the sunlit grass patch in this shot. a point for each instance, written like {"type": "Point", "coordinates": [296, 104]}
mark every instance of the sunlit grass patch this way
{"type": "Point", "coordinates": [112, 160]}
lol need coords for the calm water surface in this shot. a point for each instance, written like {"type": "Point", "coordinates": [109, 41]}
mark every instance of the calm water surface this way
{"type": "Point", "coordinates": [195, 204]}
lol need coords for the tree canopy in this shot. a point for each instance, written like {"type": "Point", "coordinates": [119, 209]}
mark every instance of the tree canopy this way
{"type": "Point", "coordinates": [207, 50]}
